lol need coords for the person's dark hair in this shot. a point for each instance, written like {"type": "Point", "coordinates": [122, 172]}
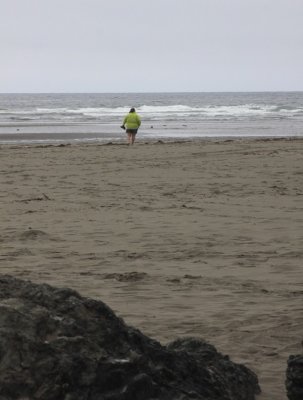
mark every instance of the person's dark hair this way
{"type": "Point", "coordinates": [132, 110]}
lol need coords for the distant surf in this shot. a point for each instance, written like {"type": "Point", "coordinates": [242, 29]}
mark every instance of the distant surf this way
{"type": "Point", "coordinates": [68, 117]}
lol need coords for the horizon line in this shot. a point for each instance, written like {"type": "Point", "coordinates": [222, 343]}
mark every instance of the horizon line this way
{"type": "Point", "coordinates": [161, 92]}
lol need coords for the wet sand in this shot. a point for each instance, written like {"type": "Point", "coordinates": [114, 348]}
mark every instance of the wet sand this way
{"type": "Point", "coordinates": [201, 238]}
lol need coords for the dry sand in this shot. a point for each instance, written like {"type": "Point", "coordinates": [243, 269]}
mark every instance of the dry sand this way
{"type": "Point", "coordinates": [197, 238]}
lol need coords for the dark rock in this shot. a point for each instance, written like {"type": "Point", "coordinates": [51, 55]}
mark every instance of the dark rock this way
{"type": "Point", "coordinates": [55, 344]}
{"type": "Point", "coordinates": [294, 378]}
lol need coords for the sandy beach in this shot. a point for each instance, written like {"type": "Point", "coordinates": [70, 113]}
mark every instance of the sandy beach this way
{"type": "Point", "coordinates": [197, 238]}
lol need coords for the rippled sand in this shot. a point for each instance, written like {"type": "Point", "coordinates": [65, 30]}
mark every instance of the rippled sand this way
{"type": "Point", "coordinates": [198, 238]}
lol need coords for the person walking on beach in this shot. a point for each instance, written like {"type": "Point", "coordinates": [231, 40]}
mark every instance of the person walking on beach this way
{"type": "Point", "coordinates": [132, 121]}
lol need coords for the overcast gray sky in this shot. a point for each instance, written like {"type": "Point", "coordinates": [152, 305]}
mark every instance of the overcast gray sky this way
{"type": "Point", "coordinates": [151, 45]}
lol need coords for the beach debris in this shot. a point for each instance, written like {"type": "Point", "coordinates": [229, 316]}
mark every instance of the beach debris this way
{"type": "Point", "coordinates": [126, 276]}
{"type": "Point", "coordinates": [38, 198]}
{"type": "Point", "coordinates": [56, 344]}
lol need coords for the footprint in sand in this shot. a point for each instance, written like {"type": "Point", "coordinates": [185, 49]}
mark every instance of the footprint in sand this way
{"type": "Point", "coordinates": [33, 234]}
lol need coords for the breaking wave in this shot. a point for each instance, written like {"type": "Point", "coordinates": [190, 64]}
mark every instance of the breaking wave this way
{"type": "Point", "coordinates": [154, 112]}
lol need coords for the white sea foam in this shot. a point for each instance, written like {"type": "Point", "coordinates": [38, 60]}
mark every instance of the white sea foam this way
{"type": "Point", "coordinates": [175, 111]}
{"type": "Point", "coordinates": [101, 111]}
{"type": "Point", "coordinates": [51, 110]}
{"type": "Point", "coordinates": [183, 110]}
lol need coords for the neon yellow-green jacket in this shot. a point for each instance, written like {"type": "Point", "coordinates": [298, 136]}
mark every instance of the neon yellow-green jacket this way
{"type": "Point", "coordinates": [132, 121]}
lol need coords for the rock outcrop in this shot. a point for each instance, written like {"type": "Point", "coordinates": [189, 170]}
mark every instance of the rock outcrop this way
{"type": "Point", "coordinates": [56, 344]}
{"type": "Point", "coordinates": [294, 378]}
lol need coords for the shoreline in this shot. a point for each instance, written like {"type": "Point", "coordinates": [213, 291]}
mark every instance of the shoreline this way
{"type": "Point", "coordinates": [148, 141]}
{"type": "Point", "coordinates": [180, 238]}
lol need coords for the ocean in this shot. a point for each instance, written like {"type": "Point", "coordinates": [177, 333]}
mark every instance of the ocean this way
{"type": "Point", "coordinates": [55, 118]}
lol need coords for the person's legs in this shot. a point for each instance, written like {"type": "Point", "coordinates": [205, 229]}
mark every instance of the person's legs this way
{"type": "Point", "coordinates": [133, 138]}
{"type": "Point", "coordinates": [129, 138]}
{"type": "Point", "coordinates": [131, 135]}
